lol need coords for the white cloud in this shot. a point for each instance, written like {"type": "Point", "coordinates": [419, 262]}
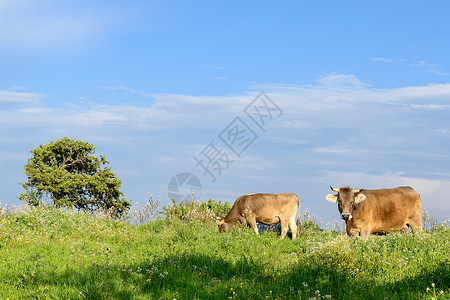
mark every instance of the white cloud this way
{"type": "Point", "coordinates": [432, 92]}
{"type": "Point", "coordinates": [414, 63]}
{"type": "Point", "coordinates": [165, 159]}
{"type": "Point", "coordinates": [332, 149]}
{"type": "Point", "coordinates": [216, 67]}
{"type": "Point", "coordinates": [296, 124]}
{"type": "Point", "coordinates": [430, 106]}
{"type": "Point", "coordinates": [166, 113]}
{"type": "Point", "coordinates": [8, 97]}
{"type": "Point", "coordinates": [36, 111]}
{"type": "Point", "coordinates": [289, 141]}
{"type": "Point", "coordinates": [341, 80]}
{"type": "Point", "coordinates": [306, 109]}
{"type": "Point", "coordinates": [385, 60]}
{"type": "Point", "coordinates": [127, 89]}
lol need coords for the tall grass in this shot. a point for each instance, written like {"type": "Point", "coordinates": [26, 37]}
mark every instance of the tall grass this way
{"type": "Point", "coordinates": [147, 212]}
{"type": "Point", "coordinates": [60, 254]}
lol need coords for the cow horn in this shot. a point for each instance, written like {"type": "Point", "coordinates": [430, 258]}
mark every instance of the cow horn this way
{"type": "Point", "coordinates": [334, 189]}
{"type": "Point", "coordinates": [356, 191]}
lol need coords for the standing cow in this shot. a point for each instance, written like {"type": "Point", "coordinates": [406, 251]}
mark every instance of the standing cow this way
{"type": "Point", "coordinates": [378, 211]}
{"type": "Point", "coordinates": [264, 208]}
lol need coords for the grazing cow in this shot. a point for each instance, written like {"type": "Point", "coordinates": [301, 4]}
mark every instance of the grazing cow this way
{"type": "Point", "coordinates": [264, 208]}
{"type": "Point", "coordinates": [378, 211]}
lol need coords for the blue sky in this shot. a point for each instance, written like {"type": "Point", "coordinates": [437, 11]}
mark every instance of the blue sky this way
{"type": "Point", "coordinates": [362, 89]}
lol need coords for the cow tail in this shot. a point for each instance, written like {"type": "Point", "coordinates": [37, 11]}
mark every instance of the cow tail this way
{"type": "Point", "coordinates": [299, 226]}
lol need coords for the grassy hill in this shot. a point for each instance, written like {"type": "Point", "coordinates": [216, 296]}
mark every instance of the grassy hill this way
{"type": "Point", "coordinates": [60, 254]}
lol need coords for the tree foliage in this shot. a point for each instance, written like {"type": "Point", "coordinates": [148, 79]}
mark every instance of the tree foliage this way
{"type": "Point", "coordinates": [66, 173]}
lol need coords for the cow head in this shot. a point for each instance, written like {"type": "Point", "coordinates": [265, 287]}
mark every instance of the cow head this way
{"type": "Point", "coordinates": [347, 198]}
{"type": "Point", "coordinates": [223, 225]}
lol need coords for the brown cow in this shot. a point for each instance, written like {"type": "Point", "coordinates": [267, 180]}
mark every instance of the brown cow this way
{"type": "Point", "coordinates": [264, 208]}
{"type": "Point", "coordinates": [378, 211]}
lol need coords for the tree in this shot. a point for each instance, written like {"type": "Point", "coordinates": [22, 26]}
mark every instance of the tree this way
{"type": "Point", "coordinates": [68, 174]}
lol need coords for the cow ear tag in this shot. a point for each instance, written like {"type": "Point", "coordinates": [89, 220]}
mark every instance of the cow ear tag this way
{"type": "Point", "coordinates": [332, 198]}
{"type": "Point", "coordinates": [219, 220]}
{"type": "Point", "coordinates": [360, 198]}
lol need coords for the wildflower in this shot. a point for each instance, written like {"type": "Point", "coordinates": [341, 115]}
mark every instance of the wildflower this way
{"type": "Point", "coordinates": [432, 285]}
{"type": "Point", "coordinates": [305, 284]}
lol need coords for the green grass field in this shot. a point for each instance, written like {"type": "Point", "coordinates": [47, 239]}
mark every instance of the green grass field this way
{"type": "Point", "coordinates": [60, 254]}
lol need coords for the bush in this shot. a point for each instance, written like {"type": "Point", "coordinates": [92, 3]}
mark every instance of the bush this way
{"type": "Point", "coordinates": [194, 210]}
{"type": "Point", "coordinates": [310, 221]}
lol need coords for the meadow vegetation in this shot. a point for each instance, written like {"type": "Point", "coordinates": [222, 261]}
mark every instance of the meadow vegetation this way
{"type": "Point", "coordinates": [48, 253]}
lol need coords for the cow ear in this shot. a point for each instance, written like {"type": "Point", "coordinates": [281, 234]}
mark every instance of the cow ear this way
{"type": "Point", "coordinates": [360, 198]}
{"type": "Point", "coordinates": [220, 220]}
{"type": "Point", "coordinates": [332, 198]}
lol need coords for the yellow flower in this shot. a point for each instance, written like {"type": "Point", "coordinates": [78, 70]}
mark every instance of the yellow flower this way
{"type": "Point", "coordinates": [432, 284]}
{"type": "Point", "coordinates": [231, 289]}
{"type": "Point", "coordinates": [428, 289]}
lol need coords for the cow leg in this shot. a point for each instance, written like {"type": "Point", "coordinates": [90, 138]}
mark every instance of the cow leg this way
{"type": "Point", "coordinates": [415, 227]}
{"type": "Point", "coordinates": [284, 228]}
{"type": "Point", "coordinates": [405, 229]}
{"type": "Point", "coordinates": [293, 226]}
{"type": "Point", "coordinates": [242, 220]}
{"type": "Point", "coordinates": [364, 233]}
{"type": "Point", "coordinates": [416, 224]}
{"type": "Point", "coordinates": [252, 222]}
{"type": "Point", "coordinates": [351, 231]}
{"type": "Point", "coordinates": [415, 221]}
